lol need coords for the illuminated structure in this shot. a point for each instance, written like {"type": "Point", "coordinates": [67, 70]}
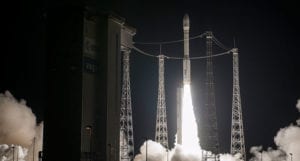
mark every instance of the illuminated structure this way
{"type": "Point", "coordinates": [210, 140]}
{"type": "Point", "coordinates": [126, 125]}
{"type": "Point", "coordinates": [161, 132]}
{"type": "Point", "coordinates": [237, 130]}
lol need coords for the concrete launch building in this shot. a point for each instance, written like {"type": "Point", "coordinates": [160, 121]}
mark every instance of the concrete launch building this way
{"type": "Point", "coordinates": [82, 118]}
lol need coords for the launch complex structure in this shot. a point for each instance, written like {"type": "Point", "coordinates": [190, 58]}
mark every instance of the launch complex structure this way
{"type": "Point", "coordinates": [211, 141]}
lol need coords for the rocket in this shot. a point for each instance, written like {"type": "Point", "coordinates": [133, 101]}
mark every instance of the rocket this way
{"type": "Point", "coordinates": [186, 58]}
{"type": "Point", "coordinates": [186, 76]}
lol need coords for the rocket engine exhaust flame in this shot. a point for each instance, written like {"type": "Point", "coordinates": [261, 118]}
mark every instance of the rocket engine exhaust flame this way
{"type": "Point", "coordinates": [190, 140]}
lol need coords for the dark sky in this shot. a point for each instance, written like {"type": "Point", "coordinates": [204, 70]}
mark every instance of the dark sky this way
{"type": "Point", "coordinates": [266, 34]}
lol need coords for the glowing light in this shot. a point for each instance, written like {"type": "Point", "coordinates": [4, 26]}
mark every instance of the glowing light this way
{"type": "Point", "coordinates": [190, 140]}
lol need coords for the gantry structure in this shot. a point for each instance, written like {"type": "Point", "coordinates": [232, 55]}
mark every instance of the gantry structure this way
{"type": "Point", "coordinates": [210, 138]}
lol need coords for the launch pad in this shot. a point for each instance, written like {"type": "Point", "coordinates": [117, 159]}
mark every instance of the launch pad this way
{"type": "Point", "coordinates": [187, 130]}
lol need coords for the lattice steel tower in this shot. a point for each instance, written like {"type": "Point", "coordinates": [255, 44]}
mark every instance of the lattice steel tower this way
{"type": "Point", "coordinates": [126, 126]}
{"type": "Point", "coordinates": [161, 132]}
{"type": "Point", "coordinates": [237, 130]}
{"type": "Point", "coordinates": [211, 134]}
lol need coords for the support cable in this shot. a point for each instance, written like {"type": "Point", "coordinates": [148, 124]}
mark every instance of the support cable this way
{"type": "Point", "coordinates": [219, 43]}
{"type": "Point", "coordinates": [144, 53]}
{"type": "Point", "coordinates": [180, 58]}
{"type": "Point", "coordinates": [170, 42]}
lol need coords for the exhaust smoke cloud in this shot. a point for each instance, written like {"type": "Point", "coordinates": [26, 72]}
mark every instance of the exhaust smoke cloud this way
{"type": "Point", "coordinates": [12, 152]}
{"type": "Point", "coordinates": [287, 141]}
{"type": "Point", "coordinates": [17, 122]}
{"type": "Point", "coordinates": [18, 130]}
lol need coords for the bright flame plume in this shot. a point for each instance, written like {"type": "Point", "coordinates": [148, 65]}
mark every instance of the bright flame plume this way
{"type": "Point", "coordinates": [190, 140]}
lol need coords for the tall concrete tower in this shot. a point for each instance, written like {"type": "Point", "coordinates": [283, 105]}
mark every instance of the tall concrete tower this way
{"type": "Point", "coordinates": [186, 59]}
{"type": "Point", "coordinates": [161, 132]}
{"type": "Point", "coordinates": [84, 84]}
{"type": "Point", "coordinates": [237, 130]}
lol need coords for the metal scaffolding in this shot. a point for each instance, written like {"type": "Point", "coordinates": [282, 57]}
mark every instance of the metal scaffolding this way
{"type": "Point", "coordinates": [237, 130]}
{"type": "Point", "coordinates": [126, 126]}
{"type": "Point", "coordinates": [211, 134]}
{"type": "Point", "coordinates": [161, 132]}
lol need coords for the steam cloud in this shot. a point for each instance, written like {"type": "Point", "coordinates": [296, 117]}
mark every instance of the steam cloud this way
{"type": "Point", "coordinates": [17, 122]}
{"type": "Point", "coordinates": [298, 105]}
{"type": "Point", "coordinates": [287, 141]}
{"type": "Point", "coordinates": [18, 130]}
{"type": "Point", "coordinates": [156, 152]}
{"type": "Point", "coordinates": [9, 153]}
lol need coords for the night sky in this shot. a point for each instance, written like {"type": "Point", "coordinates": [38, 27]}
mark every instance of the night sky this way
{"type": "Point", "coordinates": [266, 34]}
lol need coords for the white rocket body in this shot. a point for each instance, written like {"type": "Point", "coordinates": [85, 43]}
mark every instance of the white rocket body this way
{"type": "Point", "coordinates": [186, 76]}
{"type": "Point", "coordinates": [186, 59]}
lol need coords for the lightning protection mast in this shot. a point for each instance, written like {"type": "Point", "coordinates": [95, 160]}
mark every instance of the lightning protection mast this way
{"type": "Point", "coordinates": [161, 132]}
{"type": "Point", "coordinates": [126, 131]}
{"type": "Point", "coordinates": [237, 130]}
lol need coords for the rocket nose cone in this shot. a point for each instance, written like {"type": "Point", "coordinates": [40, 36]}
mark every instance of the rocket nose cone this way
{"type": "Point", "coordinates": [186, 21]}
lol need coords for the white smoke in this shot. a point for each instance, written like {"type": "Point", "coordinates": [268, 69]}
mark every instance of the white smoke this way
{"type": "Point", "coordinates": [287, 141]}
{"type": "Point", "coordinates": [153, 151]}
{"type": "Point", "coordinates": [298, 105]}
{"type": "Point", "coordinates": [17, 122]}
{"type": "Point", "coordinates": [229, 157]}
{"type": "Point", "coordinates": [269, 155]}
{"type": "Point", "coordinates": [18, 130]}
{"type": "Point", "coordinates": [12, 152]}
